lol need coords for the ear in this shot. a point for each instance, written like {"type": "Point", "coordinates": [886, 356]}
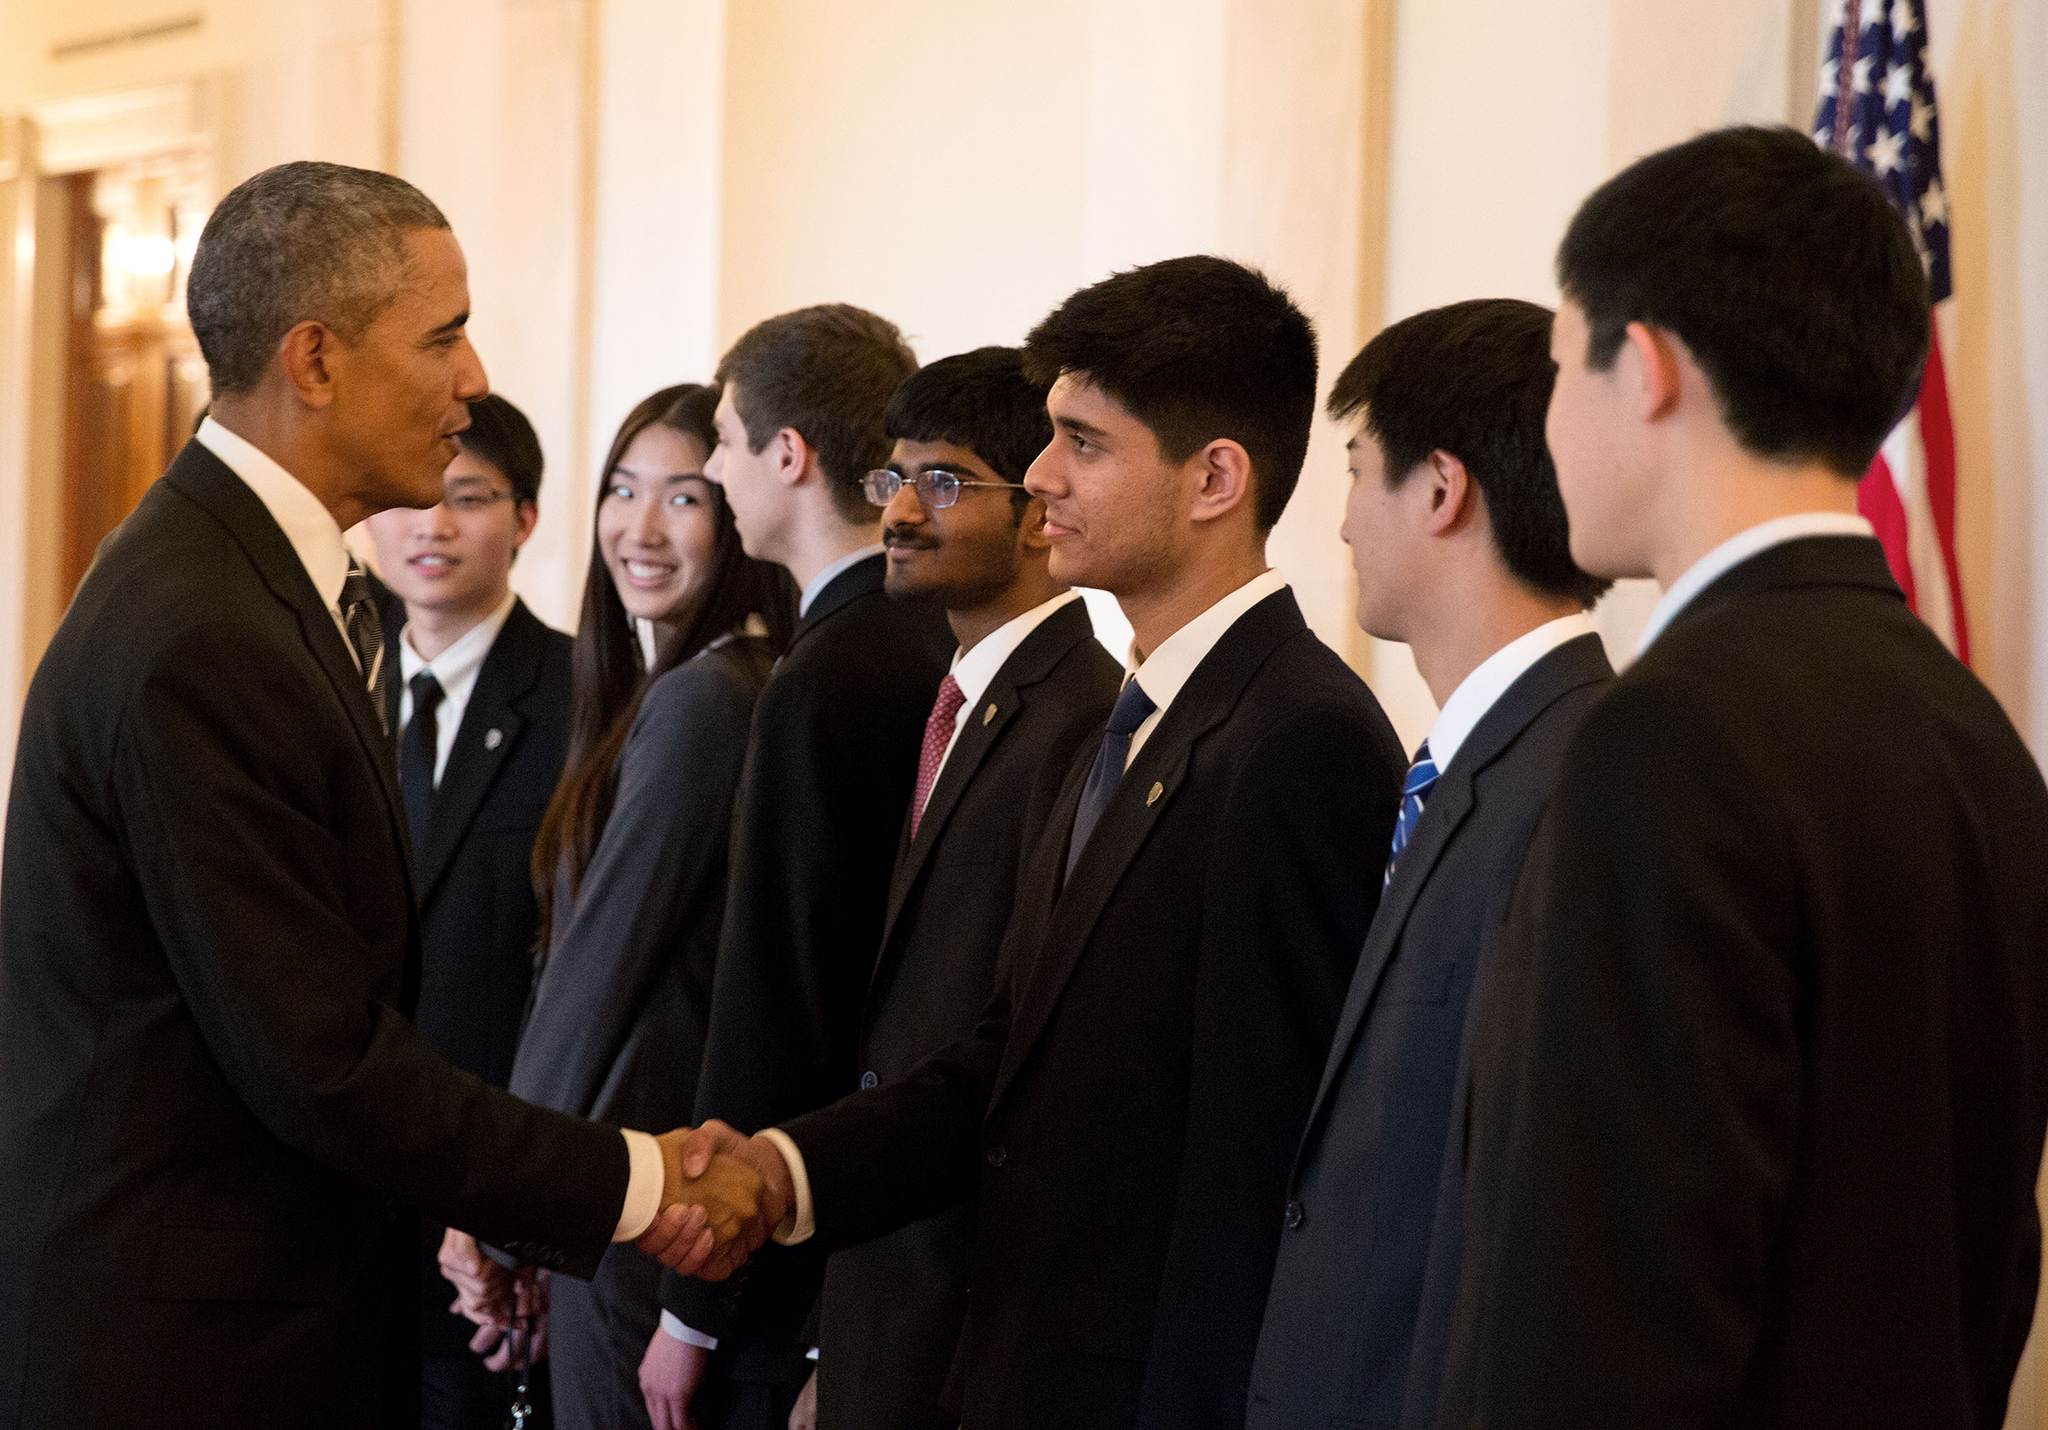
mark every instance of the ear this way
{"type": "Point", "coordinates": [529, 517]}
{"type": "Point", "coordinates": [307, 354]}
{"type": "Point", "coordinates": [1653, 364]}
{"type": "Point", "coordinates": [794, 458]}
{"type": "Point", "coordinates": [1223, 476]}
{"type": "Point", "coordinates": [1453, 495]}
{"type": "Point", "coordinates": [1031, 527]}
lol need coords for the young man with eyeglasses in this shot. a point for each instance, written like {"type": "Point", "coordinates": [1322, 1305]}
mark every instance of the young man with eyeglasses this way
{"type": "Point", "coordinates": [480, 713]}
{"type": "Point", "coordinates": [1029, 683]}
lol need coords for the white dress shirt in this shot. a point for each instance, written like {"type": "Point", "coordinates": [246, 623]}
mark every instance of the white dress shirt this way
{"type": "Point", "coordinates": [1162, 674]}
{"type": "Point", "coordinates": [824, 578]}
{"type": "Point", "coordinates": [974, 669]}
{"type": "Point", "coordinates": [456, 668]}
{"type": "Point", "coordinates": [1738, 549]}
{"type": "Point", "coordinates": [316, 537]}
{"type": "Point", "coordinates": [1478, 692]}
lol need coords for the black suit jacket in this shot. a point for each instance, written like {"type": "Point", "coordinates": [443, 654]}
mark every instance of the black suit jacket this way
{"type": "Point", "coordinates": [1373, 1231]}
{"type": "Point", "coordinates": [209, 1092]}
{"type": "Point", "coordinates": [478, 918]}
{"type": "Point", "coordinates": [829, 772]}
{"type": "Point", "coordinates": [1124, 1116]}
{"type": "Point", "coordinates": [1761, 1068]}
{"type": "Point", "coordinates": [892, 1308]}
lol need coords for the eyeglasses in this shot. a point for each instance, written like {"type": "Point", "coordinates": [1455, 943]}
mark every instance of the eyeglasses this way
{"type": "Point", "coordinates": [936, 487]}
{"type": "Point", "coordinates": [469, 501]}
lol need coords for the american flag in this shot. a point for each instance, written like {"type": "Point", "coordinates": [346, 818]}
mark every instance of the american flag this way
{"type": "Point", "coordinates": [1877, 111]}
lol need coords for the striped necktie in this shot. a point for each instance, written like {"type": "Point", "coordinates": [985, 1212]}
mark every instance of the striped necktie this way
{"type": "Point", "coordinates": [1414, 792]}
{"type": "Point", "coordinates": [366, 634]}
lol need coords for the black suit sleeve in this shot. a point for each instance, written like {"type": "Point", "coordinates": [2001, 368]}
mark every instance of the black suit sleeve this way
{"type": "Point", "coordinates": [249, 891]}
{"type": "Point", "coordinates": [1637, 1085]}
{"type": "Point", "coordinates": [1288, 896]}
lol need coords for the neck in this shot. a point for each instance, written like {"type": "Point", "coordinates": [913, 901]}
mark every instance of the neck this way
{"type": "Point", "coordinates": [974, 624]}
{"type": "Point", "coordinates": [1157, 612]}
{"type": "Point", "coordinates": [1477, 624]}
{"type": "Point", "coordinates": [429, 632]}
{"type": "Point", "coordinates": [1728, 497]}
{"type": "Point", "coordinates": [275, 426]}
{"type": "Point", "coordinates": [820, 543]}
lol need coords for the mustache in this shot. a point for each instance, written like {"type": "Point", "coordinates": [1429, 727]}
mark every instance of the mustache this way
{"type": "Point", "coordinates": [894, 535]}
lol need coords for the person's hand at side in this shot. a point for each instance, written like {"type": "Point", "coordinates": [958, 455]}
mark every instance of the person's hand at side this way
{"type": "Point", "coordinates": [671, 1373]}
{"type": "Point", "coordinates": [485, 1292]}
{"type": "Point", "coordinates": [804, 1414]}
{"type": "Point", "coordinates": [737, 1191]}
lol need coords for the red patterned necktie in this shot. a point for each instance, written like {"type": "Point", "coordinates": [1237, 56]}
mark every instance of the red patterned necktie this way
{"type": "Point", "coordinates": [938, 733]}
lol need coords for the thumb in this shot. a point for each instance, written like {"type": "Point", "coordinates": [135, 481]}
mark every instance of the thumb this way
{"type": "Point", "coordinates": [714, 1136]}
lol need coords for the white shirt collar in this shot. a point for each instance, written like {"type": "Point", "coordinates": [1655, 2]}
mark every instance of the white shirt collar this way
{"type": "Point", "coordinates": [825, 578]}
{"type": "Point", "coordinates": [1480, 691]}
{"type": "Point", "coordinates": [1738, 549]}
{"type": "Point", "coordinates": [1162, 674]}
{"type": "Point", "coordinates": [974, 669]}
{"type": "Point", "coordinates": [456, 667]}
{"type": "Point", "coordinates": [307, 524]}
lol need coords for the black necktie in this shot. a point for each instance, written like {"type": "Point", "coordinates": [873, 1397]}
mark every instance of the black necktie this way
{"type": "Point", "coordinates": [1133, 708]}
{"type": "Point", "coordinates": [366, 634]}
{"type": "Point", "coordinates": [417, 749]}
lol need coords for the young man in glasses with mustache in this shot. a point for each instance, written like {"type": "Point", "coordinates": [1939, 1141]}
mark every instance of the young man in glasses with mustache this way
{"type": "Point", "coordinates": [1029, 683]}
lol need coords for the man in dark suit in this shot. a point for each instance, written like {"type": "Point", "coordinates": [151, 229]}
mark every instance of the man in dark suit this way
{"type": "Point", "coordinates": [210, 1097]}
{"type": "Point", "coordinates": [1458, 538]}
{"type": "Point", "coordinates": [481, 715]}
{"type": "Point", "coordinates": [1029, 683]}
{"type": "Point", "coordinates": [830, 765]}
{"type": "Point", "coordinates": [1123, 1116]}
{"type": "Point", "coordinates": [1757, 1091]}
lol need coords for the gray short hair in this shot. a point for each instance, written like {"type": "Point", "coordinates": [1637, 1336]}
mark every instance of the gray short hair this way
{"type": "Point", "coordinates": [301, 241]}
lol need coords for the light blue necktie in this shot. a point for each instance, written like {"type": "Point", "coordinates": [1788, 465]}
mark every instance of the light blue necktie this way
{"type": "Point", "coordinates": [1414, 792]}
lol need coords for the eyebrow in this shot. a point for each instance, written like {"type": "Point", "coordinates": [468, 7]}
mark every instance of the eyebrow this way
{"type": "Point", "coordinates": [453, 325]}
{"type": "Point", "coordinates": [620, 469]}
{"type": "Point", "coordinates": [1077, 426]}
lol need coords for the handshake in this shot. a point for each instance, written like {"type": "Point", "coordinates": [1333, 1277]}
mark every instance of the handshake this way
{"type": "Point", "coordinates": [722, 1196]}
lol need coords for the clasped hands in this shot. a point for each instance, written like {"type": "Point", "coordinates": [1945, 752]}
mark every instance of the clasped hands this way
{"type": "Point", "coordinates": [510, 1307]}
{"type": "Point", "coordinates": [722, 1196]}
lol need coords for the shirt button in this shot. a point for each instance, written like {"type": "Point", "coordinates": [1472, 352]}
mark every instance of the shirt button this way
{"type": "Point", "coordinates": [994, 1156]}
{"type": "Point", "coordinates": [1295, 1216]}
{"type": "Point", "coordinates": [868, 1080]}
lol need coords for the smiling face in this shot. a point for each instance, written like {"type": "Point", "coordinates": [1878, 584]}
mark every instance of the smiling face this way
{"type": "Point", "coordinates": [963, 555]}
{"type": "Point", "coordinates": [455, 557]}
{"type": "Point", "coordinates": [402, 392]}
{"type": "Point", "coordinates": [656, 527]}
{"type": "Point", "coordinates": [1113, 506]}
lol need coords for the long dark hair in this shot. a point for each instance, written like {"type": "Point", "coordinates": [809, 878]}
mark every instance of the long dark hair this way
{"type": "Point", "coordinates": [610, 672]}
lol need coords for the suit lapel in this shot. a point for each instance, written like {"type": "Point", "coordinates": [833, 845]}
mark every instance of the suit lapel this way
{"type": "Point", "coordinates": [1577, 662]}
{"type": "Point", "coordinates": [476, 757]}
{"type": "Point", "coordinates": [860, 579]}
{"type": "Point", "coordinates": [210, 482]}
{"type": "Point", "coordinates": [1142, 798]}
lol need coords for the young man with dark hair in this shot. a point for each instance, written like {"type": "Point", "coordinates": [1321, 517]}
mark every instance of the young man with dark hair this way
{"type": "Point", "coordinates": [1459, 542]}
{"type": "Point", "coordinates": [1756, 1101]}
{"type": "Point", "coordinates": [1123, 1115]}
{"type": "Point", "coordinates": [1029, 683]}
{"type": "Point", "coordinates": [480, 714]}
{"type": "Point", "coordinates": [831, 764]}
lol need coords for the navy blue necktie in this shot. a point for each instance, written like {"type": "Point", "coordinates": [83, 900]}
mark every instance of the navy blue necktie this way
{"type": "Point", "coordinates": [1414, 791]}
{"type": "Point", "coordinates": [1133, 708]}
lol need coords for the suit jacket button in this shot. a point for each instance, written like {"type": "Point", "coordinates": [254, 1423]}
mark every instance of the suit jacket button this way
{"type": "Point", "coordinates": [995, 1155]}
{"type": "Point", "coordinates": [1295, 1216]}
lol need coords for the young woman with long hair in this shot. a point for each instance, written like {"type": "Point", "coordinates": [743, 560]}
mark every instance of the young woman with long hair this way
{"type": "Point", "coordinates": [678, 633]}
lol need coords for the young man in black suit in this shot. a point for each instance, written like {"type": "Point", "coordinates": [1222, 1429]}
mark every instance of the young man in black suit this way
{"type": "Point", "coordinates": [1459, 542]}
{"type": "Point", "coordinates": [1757, 1099]}
{"type": "Point", "coordinates": [1029, 683]}
{"type": "Point", "coordinates": [211, 1097]}
{"type": "Point", "coordinates": [831, 762]}
{"type": "Point", "coordinates": [1123, 1116]}
{"type": "Point", "coordinates": [480, 711]}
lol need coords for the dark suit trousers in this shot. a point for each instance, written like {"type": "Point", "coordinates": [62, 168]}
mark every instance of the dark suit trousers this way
{"type": "Point", "coordinates": [598, 1332]}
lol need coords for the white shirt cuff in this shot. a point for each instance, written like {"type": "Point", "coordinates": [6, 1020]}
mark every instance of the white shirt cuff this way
{"type": "Point", "coordinates": [643, 1187]}
{"type": "Point", "coordinates": [673, 1325]}
{"type": "Point", "coordinates": [798, 1225]}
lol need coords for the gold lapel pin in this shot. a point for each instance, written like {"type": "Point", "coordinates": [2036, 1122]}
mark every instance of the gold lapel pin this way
{"type": "Point", "coordinates": [988, 714]}
{"type": "Point", "coordinates": [1158, 789]}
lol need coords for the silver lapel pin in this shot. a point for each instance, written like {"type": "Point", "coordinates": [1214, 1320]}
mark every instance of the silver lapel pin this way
{"type": "Point", "coordinates": [493, 739]}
